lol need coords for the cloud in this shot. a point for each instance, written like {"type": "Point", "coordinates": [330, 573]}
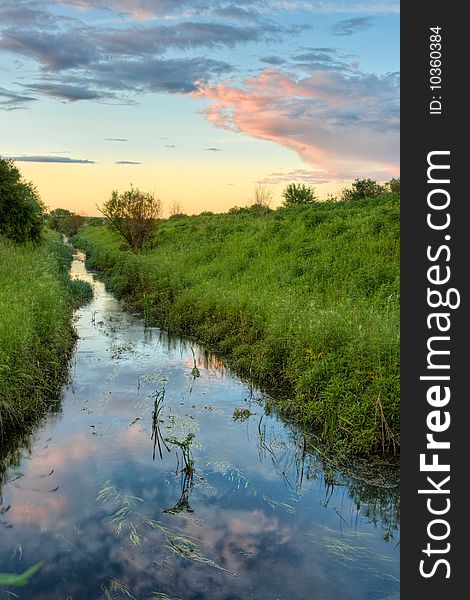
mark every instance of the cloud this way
{"type": "Point", "coordinates": [127, 162]}
{"type": "Point", "coordinates": [178, 75]}
{"type": "Point", "coordinates": [14, 101]}
{"type": "Point", "coordinates": [71, 93]}
{"type": "Point", "coordinates": [84, 46]}
{"type": "Point", "coordinates": [350, 26]}
{"type": "Point", "coordinates": [334, 120]}
{"type": "Point", "coordinates": [297, 175]}
{"type": "Point", "coordinates": [273, 60]}
{"type": "Point", "coordinates": [317, 177]}
{"type": "Point", "coordinates": [93, 60]}
{"type": "Point", "coordinates": [52, 159]}
{"type": "Point", "coordinates": [233, 9]}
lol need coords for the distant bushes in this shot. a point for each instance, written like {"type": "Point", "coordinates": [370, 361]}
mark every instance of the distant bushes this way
{"type": "Point", "coordinates": [64, 221]}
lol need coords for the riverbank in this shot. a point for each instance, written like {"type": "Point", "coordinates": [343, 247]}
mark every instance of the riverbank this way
{"type": "Point", "coordinates": [37, 299]}
{"type": "Point", "coordinates": [303, 299]}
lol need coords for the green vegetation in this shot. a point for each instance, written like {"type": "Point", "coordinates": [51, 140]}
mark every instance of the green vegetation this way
{"type": "Point", "coordinates": [304, 300]}
{"type": "Point", "coordinates": [65, 221]}
{"type": "Point", "coordinates": [134, 215]}
{"type": "Point", "coordinates": [298, 193]}
{"type": "Point", "coordinates": [21, 209]}
{"type": "Point", "coordinates": [365, 188]}
{"type": "Point", "coordinates": [36, 334]}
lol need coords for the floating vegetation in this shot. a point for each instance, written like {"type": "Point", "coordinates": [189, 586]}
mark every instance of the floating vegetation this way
{"type": "Point", "coordinates": [278, 504]}
{"type": "Point", "coordinates": [186, 548]}
{"type": "Point", "coordinates": [127, 518]}
{"type": "Point", "coordinates": [241, 414]}
{"type": "Point", "coordinates": [346, 547]}
{"type": "Point", "coordinates": [115, 585]}
{"type": "Point", "coordinates": [231, 472]}
{"type": "Point", "coordinates": [118, 350]}
{"type": "Point", "coordinates": [161, 596]}
{"type": "Point", "coordinates": [121, 518]}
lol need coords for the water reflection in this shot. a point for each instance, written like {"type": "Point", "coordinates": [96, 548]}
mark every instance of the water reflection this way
{"type": "Point", "coordinates": [144, 484]}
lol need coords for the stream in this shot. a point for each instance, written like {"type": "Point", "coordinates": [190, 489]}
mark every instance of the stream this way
{"type": "Point", "coordinates": [162, 476]}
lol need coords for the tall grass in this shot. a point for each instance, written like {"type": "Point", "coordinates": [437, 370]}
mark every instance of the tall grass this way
{"type": "Point", "coordinates": [36, 334]}
{"type": "Point", "coordinates": [304, 299]}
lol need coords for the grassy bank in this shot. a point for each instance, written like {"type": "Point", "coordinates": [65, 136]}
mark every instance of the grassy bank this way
{"type": "Point", "coordinates": [304, 299]}
{"type": "Point", "coordinates": [36, 333]}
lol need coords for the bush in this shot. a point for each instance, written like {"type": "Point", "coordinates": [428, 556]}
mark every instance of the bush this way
{"type": "Point", "coordinates": [21, 209]}
{"type": "Point", "coordinates": [363, 188]}
{"type": "Point", "coordinates": [298, 193]}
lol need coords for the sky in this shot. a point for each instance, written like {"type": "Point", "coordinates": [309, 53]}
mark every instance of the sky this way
{"type": "Point", "coordinates": [198, 101]}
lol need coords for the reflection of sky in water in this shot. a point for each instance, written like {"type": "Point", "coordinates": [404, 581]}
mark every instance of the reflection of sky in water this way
{"type": "Point", "coordinates": [254, 533]}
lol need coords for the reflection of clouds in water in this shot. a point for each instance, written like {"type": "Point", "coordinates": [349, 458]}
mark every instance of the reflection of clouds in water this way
{"type": "Point", "coordinates": [44, 511]}
{"type": "Point", "coordinates": [104, 434]}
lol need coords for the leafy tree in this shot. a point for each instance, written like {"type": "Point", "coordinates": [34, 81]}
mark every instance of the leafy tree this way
{"type": "Point", "coordinates": [21, 209]}
{"type": "Point", "coordinates": [295, 194]}
{"type": "Point", "coordinates": [134, 214]}
{"type": "Point", "coordinates": [57, 217]}
{"type": "Point", "coordinates": [65, 221]}
{"type": "Point", "coordinates": [363, 188]}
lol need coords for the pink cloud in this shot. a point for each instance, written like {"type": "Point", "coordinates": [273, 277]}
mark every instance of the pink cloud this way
{"type": "Point", "coordinates": [338, 123]}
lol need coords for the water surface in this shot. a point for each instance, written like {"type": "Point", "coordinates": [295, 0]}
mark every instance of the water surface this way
{"type": "Point", "coordinates": [101, 494]}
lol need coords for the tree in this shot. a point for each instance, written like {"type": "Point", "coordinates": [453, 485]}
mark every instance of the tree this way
{"type": "Point", "coordinates": [295, 194]}
{"type": "Point", "coordinates": [363, 188]}
{"type": "Point", "coordinates": [65, 221]}
{"type": "Point", "coordinates": [394, 185]}
{"type": "Point", "coordinates": [21, 209]}
{"type": "Point", "coordinates": [57, 218]}
{"type": "Point", "coordinates": [134, 214]}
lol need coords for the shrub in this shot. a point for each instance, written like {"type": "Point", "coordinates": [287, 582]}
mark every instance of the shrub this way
{"type": "Point", "coordinates": [363, 188]}
{"type": "Point", "coordinates": [298, 193]}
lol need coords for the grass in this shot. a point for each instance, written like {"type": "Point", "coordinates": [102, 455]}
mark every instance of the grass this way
{"type": "Point", "coordinates": [36, 333]}
{"type": "Point", "coordinates": [303, 300]}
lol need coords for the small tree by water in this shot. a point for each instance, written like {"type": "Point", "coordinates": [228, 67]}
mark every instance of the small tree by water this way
{"type": "Point", "coordinates": [134, 214]}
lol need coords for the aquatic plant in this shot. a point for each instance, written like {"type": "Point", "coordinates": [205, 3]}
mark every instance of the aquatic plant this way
{"type": "Point", "coordinates": [241, 414]}
{"type": "Point", "coordinates": [21, 578]}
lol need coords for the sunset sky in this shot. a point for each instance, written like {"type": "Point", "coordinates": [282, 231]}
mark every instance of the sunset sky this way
{"type": "Point", "coordinates": [197, 100]}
